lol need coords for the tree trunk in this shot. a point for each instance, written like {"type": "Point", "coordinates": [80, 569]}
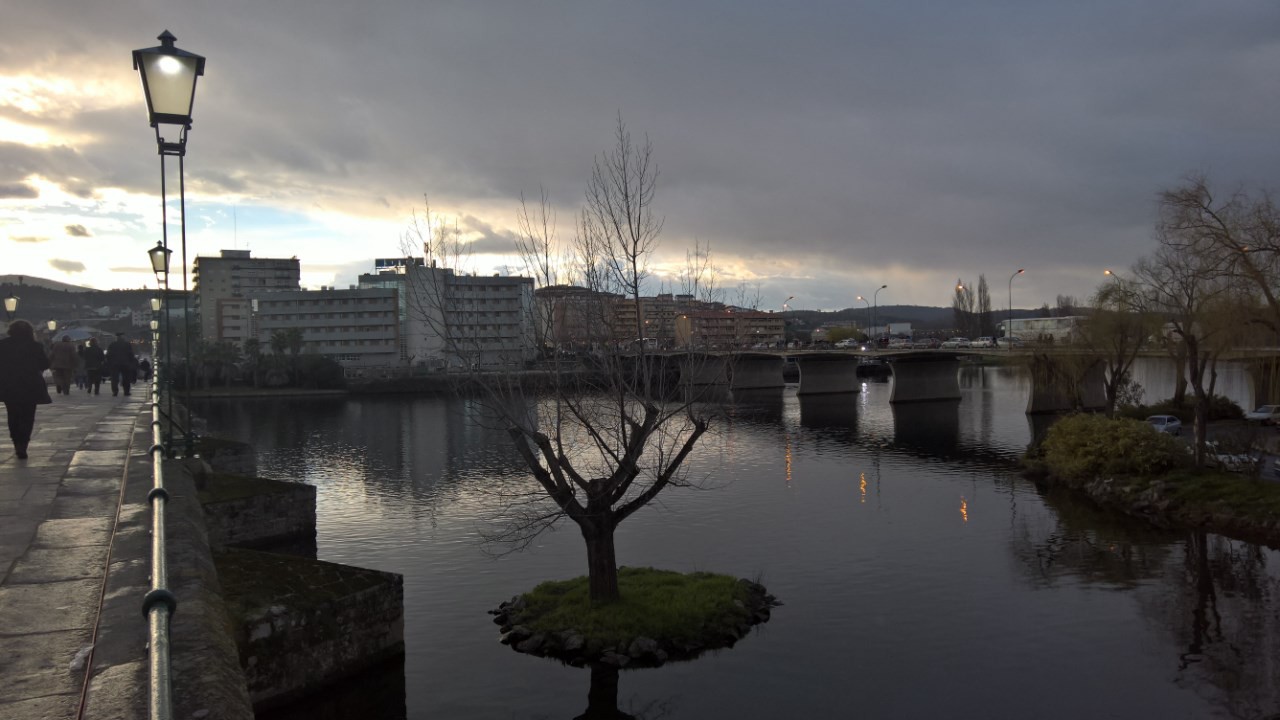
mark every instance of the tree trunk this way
{"type": "Point", "coordinates": [602, 563]}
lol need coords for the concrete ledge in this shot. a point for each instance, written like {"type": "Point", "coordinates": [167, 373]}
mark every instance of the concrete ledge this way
{"type": "Point", "coordinates": [256, 512]}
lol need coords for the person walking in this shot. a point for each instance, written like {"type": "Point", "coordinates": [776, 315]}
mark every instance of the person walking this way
{"type": "Point", "coordinates": [22, 386]}
{"type": "Point", "coordinates": [121, 365]}
{"type": "Point", "coordinates": [62, 360]}
{"type": "Point", "coordinates": [94, 358]}
{"type": "Point", "coordinates": [144, 367]}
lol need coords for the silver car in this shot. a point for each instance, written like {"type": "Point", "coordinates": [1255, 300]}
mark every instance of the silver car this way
{"type": "Point", "coordinates": [1169, 424]}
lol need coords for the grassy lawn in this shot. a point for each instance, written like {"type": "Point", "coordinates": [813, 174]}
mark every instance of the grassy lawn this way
{"type": "Point", "coordinates": [658, 604]}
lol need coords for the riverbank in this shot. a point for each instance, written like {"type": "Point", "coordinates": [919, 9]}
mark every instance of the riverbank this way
{"type": "Point", "coordinates": [1121, 464]}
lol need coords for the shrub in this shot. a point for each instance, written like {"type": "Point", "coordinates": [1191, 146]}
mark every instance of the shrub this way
{"type": "Point", "coordinates": [1082, 447]}
{"type": "Point", "coordinates": [1220, 408]}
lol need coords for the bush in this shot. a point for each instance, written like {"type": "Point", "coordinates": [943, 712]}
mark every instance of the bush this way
{"type": "Point", "coordinates": [1082, 447]}
{"type": "Point", "coordinates": [1220, 408]}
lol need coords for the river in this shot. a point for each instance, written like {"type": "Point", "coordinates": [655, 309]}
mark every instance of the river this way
{"type": "Point", "coordinates": [921, 576]}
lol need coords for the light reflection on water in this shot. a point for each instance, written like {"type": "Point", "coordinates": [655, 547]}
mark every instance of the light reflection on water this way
{"type": "Point", "coordinates": [921, 575]}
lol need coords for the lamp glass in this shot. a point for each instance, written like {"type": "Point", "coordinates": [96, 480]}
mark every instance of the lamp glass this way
{"type": "Point", "coordinates": [52, 325]}
{"type": "Point", "coordinates": [160, 258]}
{"type": "Point", "coordinates": [155, 325]}
{"type": "Point", "coordinates": [11, 304]}
{"type": "Point", "coordinates": [169, 82]}
{"type": "Point", "coordinates": [156, 304]}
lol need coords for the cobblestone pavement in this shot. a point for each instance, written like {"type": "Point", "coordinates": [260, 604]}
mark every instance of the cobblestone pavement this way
{"type": "Point", "coordinates": [58, 514]}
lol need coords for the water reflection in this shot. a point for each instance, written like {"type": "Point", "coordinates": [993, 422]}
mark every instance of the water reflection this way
{"type": "Point", "coordinates": [946, 561]}
{"type": "Point", "coordinates": [602, 700]}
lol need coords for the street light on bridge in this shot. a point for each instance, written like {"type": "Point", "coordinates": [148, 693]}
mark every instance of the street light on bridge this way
{"type": "Point", "coordinates": [10, 306]}
{"type": "Point", "coordinates": [1008, 326]}
{"type": "Point", "coordinates": [867, 316]}
{"type": "Point", "coordinates": [875, 305]}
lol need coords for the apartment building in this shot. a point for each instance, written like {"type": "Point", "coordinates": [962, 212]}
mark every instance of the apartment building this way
{"type": "Point", "coordinates": [729, 329]}
{"type": "Point", "coordinates": [225, 284]}
{"type": "Point", "coordinates": [458, 321]}
{"type": "Point", "coordinates": [359, 328]}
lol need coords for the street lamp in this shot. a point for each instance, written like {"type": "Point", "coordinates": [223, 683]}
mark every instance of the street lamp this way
{"type": "Point", "coordinates": [866, 313]}
{"type": "Point", "coordinates": [875, 306]}
{"type": "Point", "coordinates": [1008, 326]}
{"type": "Point", "coordinates": [10, 306]}
{"type": "Point", "coordinates": [169, 77]}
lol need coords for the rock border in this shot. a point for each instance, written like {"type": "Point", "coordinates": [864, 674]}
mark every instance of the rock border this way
{"type": "Point", "coordinates": [573, 648]}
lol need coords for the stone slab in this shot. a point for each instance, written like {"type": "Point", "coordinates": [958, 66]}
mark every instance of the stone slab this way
{"type": "Point", "coordinates": [48, 607]}
{"type": "Point", "coordinates": [72, 532]}
{"type": "Point", "coordinates": [42, 566]}
{"type": "Point", "coordinates": [39, 665]}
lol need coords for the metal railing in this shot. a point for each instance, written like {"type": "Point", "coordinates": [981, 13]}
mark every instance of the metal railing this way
{"type": "Point", "coordinates": [159, 603]}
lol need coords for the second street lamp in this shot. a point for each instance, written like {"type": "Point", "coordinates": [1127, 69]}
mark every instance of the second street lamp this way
{"type": "Point", "coordinates": [1008, 326]}
{"type": "Point", "coordinates": [875, 307]}
{"type": "Point", "coordinates": [10, 306]}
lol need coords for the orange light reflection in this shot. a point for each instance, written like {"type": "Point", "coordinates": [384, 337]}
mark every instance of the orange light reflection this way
{"type": "Point", "coordinates": [964, 509]}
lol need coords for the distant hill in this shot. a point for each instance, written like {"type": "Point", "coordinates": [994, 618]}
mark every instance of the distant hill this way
{"type": "Point", "coordinates": [921, 317]}
{"type": "Point", "coordinates": [34, 281]}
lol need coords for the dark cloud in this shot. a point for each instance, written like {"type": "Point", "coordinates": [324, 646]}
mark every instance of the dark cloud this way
{"type": "Point", "coordinates": [28, 239]}
{"type": "Point", "coordinates": [491, 240]}
{"type": "Point", "coordinates": [67, 266]}
{"type": "Point", "coordinates": [18, 190]}
{"type": "Point", "coordinates": [821, 145]}
{"type": "Point", "coordinates": [78, 231]}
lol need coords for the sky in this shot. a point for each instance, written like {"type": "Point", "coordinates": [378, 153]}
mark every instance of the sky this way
{"type": "Point", "coordinates": [821, 149]}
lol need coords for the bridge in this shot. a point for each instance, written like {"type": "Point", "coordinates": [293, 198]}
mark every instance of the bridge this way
{"type": "Point", "coordinates": [918, 375]}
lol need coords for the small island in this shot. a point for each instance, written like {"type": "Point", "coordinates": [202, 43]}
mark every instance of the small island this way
{"type": "Point", "coordinates": [662, 616]}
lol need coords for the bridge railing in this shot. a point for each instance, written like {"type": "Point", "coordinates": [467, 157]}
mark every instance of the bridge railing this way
{"type": "Point", "coordinates": [159, 603]}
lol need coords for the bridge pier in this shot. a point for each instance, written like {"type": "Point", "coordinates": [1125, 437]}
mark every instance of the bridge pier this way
{"type": "Point", "coordinates": [1264, 373]}
{"type": "Point", "coordinates": [924, 379]}
{"type": "Point", "coordinates": [700, 369]}
{"type": "Point", "coordinates": [824, 374]}
{"type": "Point", "coordinates": [1062, 384]}
{"type": "Point", "coordinates": [755, 372]}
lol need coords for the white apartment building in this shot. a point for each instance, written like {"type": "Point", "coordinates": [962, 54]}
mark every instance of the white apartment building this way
{"type": "Point", "coordinates": [359, 328]}
{"type": "Point", "coordinates": [454, 321]}
{"type": "Point", "coordinates": [225, 284]}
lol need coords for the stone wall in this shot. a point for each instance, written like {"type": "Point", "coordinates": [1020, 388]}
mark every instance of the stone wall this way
{"type": "Point", "coordinates": [255, 512]}
{"type": "Point", "coordinates": [302, 624]}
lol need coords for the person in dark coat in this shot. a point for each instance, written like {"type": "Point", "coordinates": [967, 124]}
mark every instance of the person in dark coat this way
{"type": "Point", "coordinates": [121, 365]}
{"type": "Point", "coordinates": [144, 367]}
{"type": "Point", "coordinates": [22, 386]}
{"type": "Point", "coordinates": [94, 358]}
{"type": "Point", "coordinates": [62, 360]}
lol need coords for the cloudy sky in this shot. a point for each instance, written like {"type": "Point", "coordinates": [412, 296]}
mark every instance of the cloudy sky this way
{"type": "Point", "coordinates": [821, 149]}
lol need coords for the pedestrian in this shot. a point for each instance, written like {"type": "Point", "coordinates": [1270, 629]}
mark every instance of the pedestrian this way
{"type": "Point", "coordinates": [94, 358]}
{"type": "Point", "coordinates": [22, 385]}
{"type": "Point", "coordinates": [121, 365]}
{"type": "Point", "coordinates": [144, 367]}
{"type": "Point", "coordinates": [81, 375]}
{"type": "Point", "coordinates": [62, 360]}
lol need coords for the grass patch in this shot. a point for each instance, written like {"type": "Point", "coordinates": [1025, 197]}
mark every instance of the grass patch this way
{"type": "Point", "coordinates": [1242, 497]}
{"type": "Point", "coordinates": [658, 604]}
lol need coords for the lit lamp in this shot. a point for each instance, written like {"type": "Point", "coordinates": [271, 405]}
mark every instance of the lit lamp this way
{"type": "Point", "coordinates": [160, 265]}
{"type": "Point", "coordinates": [169, 77]}
{"type": "Point", "coordinates": [169, 82]}
{"type": "Point", "coordinates": [10, 306]}
{"type": "Point", "coordinates": [156, 304]}
{"type": "Point", "coordinates": [52, 325]}
{"type": "Point", "coordinates": [155, 325]}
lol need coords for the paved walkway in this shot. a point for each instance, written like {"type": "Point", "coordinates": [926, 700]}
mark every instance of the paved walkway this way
{"type": "Point", "coordinates": [58, 517]}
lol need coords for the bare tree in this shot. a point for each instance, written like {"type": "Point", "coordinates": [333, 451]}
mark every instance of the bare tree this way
{"type": "Point", "coordinates": [1116, 330]}
{"type": "Point", "coordinates": [1188, 284]}
{"type": "Point", "coordinates": [986, 321]}
{"type": "Point", "coordinates": [1068, 305]}
{"type": "Point", "coordinates": [610, 429]}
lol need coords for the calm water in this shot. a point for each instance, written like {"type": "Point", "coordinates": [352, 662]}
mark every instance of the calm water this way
{"type": "Point", "coordinates": [921, 576]}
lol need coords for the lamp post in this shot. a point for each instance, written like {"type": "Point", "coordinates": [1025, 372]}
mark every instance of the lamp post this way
{"type": "Point", "coordinates": [866, 313]}
{"type": "Point", "coordinates": [875, 307]}
{"type": "Point", "coordinates": [159, 256]}
{"type": "Point", "coordinates": [169, 83]}
{"type": "Point", "coordinates": [1008, 326]}
{"type": "Point", "coordinates": [10, 306]}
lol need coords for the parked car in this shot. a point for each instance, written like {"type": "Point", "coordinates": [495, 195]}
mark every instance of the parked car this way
{"type": "Point", "coordinates": [1168, 424]}
{"type": "Point", "coordinates": [1010, 341]}
{"type": "Point", "coordinates": [899, 343]}
{"type": "Point", "coordinates": [848, 343]}
{"type": "Point", "coordinates": [926, 344]}
{"type": "Point", "coordinates": [1267, 415]}
{"type": "Point", "coordinates": [984, 342]}
{"type": "Point", "coordinates": [956, 342]}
